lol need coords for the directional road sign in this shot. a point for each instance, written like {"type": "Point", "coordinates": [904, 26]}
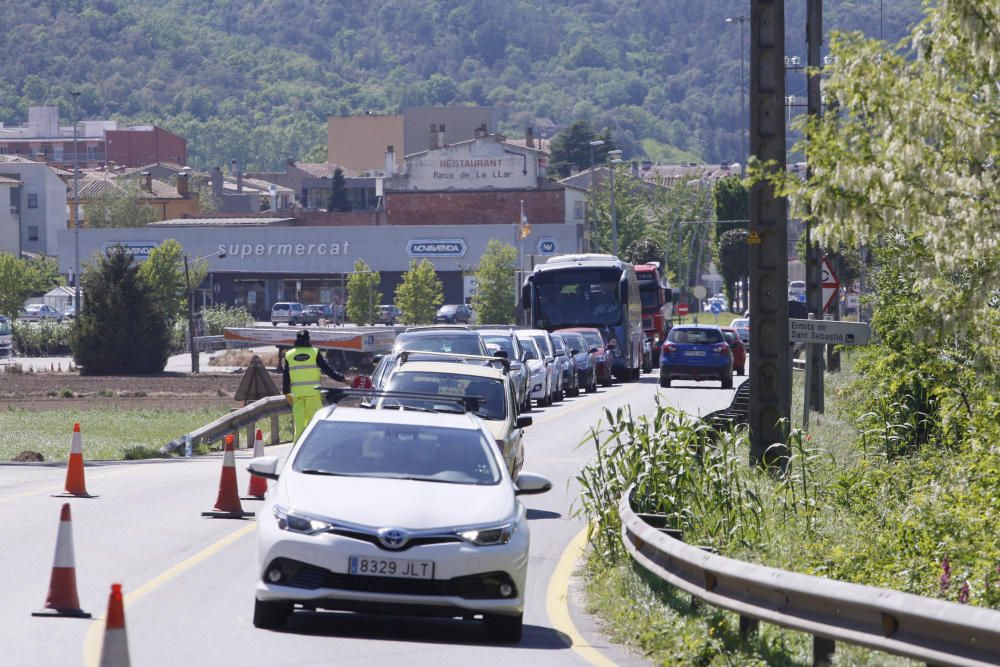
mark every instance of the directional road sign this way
{"type": "Point", "coordinates": [828, 332]}
{"type": "Point", "coordinates": [716, 307]}
{"type": "Point", "coordinates": [830, 283]}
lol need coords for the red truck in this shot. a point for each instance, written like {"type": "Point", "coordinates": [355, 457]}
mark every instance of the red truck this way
{"type": "Point", "coordinates": [657, 308]}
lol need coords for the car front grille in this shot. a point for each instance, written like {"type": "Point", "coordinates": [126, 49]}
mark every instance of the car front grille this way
{"type": "Point", "coordinates": [484, 586]}
{"type": "Point", "coordinates": [412, 542]}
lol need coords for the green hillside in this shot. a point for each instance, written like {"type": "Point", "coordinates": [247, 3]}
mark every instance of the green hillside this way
{"type": "Point", "coordinates": [254, 80]}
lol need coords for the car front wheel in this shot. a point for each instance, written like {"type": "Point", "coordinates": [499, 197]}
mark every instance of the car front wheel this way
{"type": "Point", "coordinates": [727, 382]}
{"type": "Point", "coordinates": [665, 381]}
{"type": "Point", "coordinates": [271, 615]}
{"type": "Point", "coordinates": [500, 628]}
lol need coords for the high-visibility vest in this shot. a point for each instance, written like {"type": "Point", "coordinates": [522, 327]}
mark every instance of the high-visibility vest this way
{"type": "Point", "coordinates": [303, 373]}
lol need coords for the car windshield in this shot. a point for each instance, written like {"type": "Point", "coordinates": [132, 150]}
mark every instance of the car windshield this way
{"type": "Point", "coordinates": [557, 343]}
{"type": "Point", "coordinates": [398, 451]}
{"type": "Point", "coordinates": [575, 342]}
{"type": "Point", "coordinates": [694, 336]}
{"type": "Point", "coordinates": [4, 327]}
{"type": "Point", "coordinates": [441, 343]}
{"type": "Point", "coordinates": [741, 324]}
{"type": "Point", "coordinates": [543, 346]}
{"type": "Point", "coordinates": [503, 343]}
{"type": "Point", "coordinates": [593, 337]}
{"type": "Point", "coordinates": [490, 391]}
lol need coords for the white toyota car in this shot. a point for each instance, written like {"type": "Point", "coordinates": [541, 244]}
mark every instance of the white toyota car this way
{"type": "Point", "coordinates": [394, 510]}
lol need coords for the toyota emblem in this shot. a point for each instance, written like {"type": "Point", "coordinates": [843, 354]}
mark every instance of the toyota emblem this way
{"type": "Point", "coordinates": [393, 538]}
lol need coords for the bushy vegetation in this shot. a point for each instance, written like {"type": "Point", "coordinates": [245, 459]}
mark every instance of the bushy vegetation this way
{"type": "Point", "coordinates": [256, 83]}
{"type": "Point", "coordinates": [215, 318]}
{"type": "Point", "coordinates": [40, 339]}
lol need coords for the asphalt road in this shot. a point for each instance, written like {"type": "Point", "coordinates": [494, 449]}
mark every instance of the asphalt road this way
{"type": "Point", "coordinates": [188, 580]}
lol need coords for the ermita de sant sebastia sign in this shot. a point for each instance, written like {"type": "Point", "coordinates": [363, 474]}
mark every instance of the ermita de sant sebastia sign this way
{"type": "Point", "coordinates": [829, 332]}
{"type": "Point", "coordinates": [436, 247]}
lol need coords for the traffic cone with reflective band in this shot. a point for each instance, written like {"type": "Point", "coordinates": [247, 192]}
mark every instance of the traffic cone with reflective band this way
{"type": "Point", "coordinates": [227, 504]}
{"type": "Point", "coordinates": [114, 650]}
{"type": "Point", "coordinates": [76, 486]}
{"type": "Point", "coordinates": [62, 599]}
{"type": "Point", "coordinates": [258, 485]}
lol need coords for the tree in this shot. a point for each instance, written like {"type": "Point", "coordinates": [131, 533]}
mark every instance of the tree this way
{"type": "Point", "coordinates": [496, 288]}
{"type": "Point", "coordinates": [21, 279]}
{"type": "Point", "coordinates": [363, 296]}
{"type": "Point", "coordinates": [571, 148]}
{"type": "Point", "coordinates": [420, 293]}
{"type": "Point", "coordinates": [163, 273]}
{"type": "Point", "coordinates": [121, 331]}
{"type": "Point", "coordinates": [734, 263]}
{"type": "Point", "coordinates": [632, 209]}
{"type": "Point", "coordinates": [911, 153]}
{"type": "Point", "coordinates": [124, 207]}
{"type": "Point", "coordinates": [338, 192]}
{"type": "Point", "coordinates": [643, 251]}
{"type": "Point", "coordinates": [731, 200]}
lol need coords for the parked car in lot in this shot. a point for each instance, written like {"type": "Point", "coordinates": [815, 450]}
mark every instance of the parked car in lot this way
{"type": "Point", "coordinates": [737, 348]}
{"type": "Point", "coordinates": [287, 312]}
{"type": "Point", "coordinates": [394, 511]}
{"type": "Point", "coordinates": [567, 367]}
{"type": "Point", "coordinates": [602, 359]}
{"type": "Point", "coordinates": [453, 313]}
{"type": "Point", "coordinates": [696, 352]}
{"type": "Point", "coordinates": [388, 315]}
{"type": "Point", "coordinates": [40, 312]}
{"type": "Point", "coordinates": [742, 328]}
{"type": "Point", "coordinates": [505, 340]}
{"type": "Point", "coordinates": [323, 312]}
{"type": "Point", "coordinates": [6, 338]}
{"type": "Point", "coordinates": [583, 355]}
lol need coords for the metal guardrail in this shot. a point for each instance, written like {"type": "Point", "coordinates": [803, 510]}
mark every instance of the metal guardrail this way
{"type": "Point", "coordinates": [934, 631]}
{"type": "Point", "coordinates": [246, 417]}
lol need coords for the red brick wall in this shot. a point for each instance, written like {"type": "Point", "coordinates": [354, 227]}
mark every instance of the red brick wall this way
{"type": "Point", "coordinates": [475, 208]}
{"type": "Point", "coordinates": [136, 148]}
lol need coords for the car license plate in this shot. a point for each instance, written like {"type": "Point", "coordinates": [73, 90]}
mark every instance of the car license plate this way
{"type": "Point", "coordinates": [391, 567]}
{"type": "Point", "coordinates": [695, 353]}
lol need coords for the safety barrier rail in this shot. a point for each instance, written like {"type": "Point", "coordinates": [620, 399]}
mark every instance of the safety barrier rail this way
{"type": "Point", "coordinates": [245, 417]}
{"type": "Point", "coordinates": [934, 631]}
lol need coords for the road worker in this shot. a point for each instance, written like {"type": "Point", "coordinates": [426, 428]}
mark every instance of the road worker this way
{"type": "Point", "coordinates": [300, 377]}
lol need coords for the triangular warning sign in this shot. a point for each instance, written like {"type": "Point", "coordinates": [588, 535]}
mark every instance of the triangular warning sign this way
{"type": "Point", "coordinates": [256, 382]}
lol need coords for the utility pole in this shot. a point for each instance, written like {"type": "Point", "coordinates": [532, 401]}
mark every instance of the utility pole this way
{"type": "Point", "coordinates": [770, 354]}
{"type": "Point", "coordinates": [814, 286]}
{"type": "Point", "coordinates": [77, 310]}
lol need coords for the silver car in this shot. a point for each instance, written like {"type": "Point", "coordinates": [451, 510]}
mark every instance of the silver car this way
{"type": "Point", "coordinates": [40, 312]}
{"type": "Point", "coordinates": [506, 341]}
{"type": "Point", "coordinates": [547, 350]}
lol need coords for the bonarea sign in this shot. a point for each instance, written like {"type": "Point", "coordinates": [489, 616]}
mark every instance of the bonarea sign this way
{"type": "Point", "coordinates": [436, 247]}
{"type": "Point", "coordinates": [138, 249]}
{"type": "Point", "coordinates": [547, 245]}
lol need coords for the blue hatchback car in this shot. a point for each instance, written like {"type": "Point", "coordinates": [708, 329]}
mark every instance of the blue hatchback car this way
{"type": "Point", "coordinates": [696, 352]}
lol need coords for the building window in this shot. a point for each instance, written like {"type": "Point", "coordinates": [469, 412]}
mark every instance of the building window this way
{"type": "Point", "coordinates": [578, 210]}
{"type": "Point", "coordinates": [32, 232]}
{"type": "Point", "coordinates": [91, 152]}
{"type": "Point", "coordinates": [32, 201]}
{"type": "Point", "coordinates": [57, 152]}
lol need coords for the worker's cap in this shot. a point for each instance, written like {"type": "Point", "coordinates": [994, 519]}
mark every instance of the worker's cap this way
{"type": "Point", "coordinates": [302, 337]}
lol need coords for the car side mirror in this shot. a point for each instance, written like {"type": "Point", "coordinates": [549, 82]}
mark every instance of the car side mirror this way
{"type": "Point", "coordinates": [515, 364]}
{"type": "Point", "coordinates": [377, 358]}
{"type": "Point", "coordinates": [593, 350]}
{"type": "Point", "coordinates": [528, 483]}
{"type": "Point", "coordinates": [574, 352]}
{"type": "Point", "coordinates": [264, 466]}
{"type": "Point", "coordinates": [502, 354]}
{"type": "Point", "coordinates": [549, 360]}
{"type": "Point", "coordinates": [560, 353]}
{"type": "Point", "coordinates": [524, 421]}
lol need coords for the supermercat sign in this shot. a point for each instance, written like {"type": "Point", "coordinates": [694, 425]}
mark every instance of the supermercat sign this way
{"type": "Point", "coordinates": [321, 249]}
{"type": "Point", "coordinates": [436, 248]}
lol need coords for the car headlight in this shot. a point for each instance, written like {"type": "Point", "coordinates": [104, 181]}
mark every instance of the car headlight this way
{"type": "Point", "coordinates": [296, 522]}
{"type": "Point", "coordinates": [489, 535]}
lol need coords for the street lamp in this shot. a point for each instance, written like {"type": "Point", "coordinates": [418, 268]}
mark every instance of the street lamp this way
{"type": "Point", "coordinates": [76, 216]}
{"type": "Point", "coordinates": [614, 160]}
{"type": "Point", "coordinates": [195, 361]}
{"type": "Point", "coordinates": [743, 113]}
{"type": "Point", "coordinates": [593, 213]}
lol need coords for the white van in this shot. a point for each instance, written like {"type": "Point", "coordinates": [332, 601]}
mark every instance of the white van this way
{"type": "Point", "coordinates": [797, 290]}
{"type": "Point", "coordinates": [288, 312]}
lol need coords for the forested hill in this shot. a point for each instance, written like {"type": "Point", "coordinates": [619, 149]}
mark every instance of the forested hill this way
{"type": "Point", "coordinates": [255, 80]}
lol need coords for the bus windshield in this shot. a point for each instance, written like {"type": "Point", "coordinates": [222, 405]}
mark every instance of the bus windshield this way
{"type": "Point", "coordinates": [649, 294]}
{"type": "Point", "coordinates": [578, 297]}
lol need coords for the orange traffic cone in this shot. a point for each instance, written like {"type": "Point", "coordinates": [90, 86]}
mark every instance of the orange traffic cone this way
{"type": "Point", "coordinates": [76, 486]}
{"type": "Point", "coordinates": [114, 650]}
{"type": "Point", "coordinates": [62, 599]}
{"type": "Point", "coordinates": [227, 504]}
{"type": "Point", "coordinates": [258, 485]}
